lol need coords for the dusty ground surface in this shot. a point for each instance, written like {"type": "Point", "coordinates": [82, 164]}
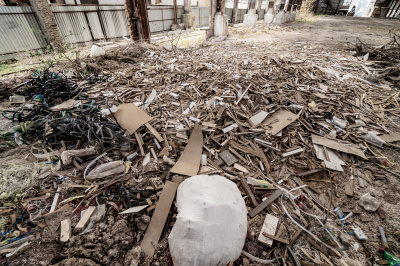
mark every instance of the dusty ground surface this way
{"type": "Point", "coordinates": [113, 240]}
{"type": "Point", "coordinates": [331, 32]}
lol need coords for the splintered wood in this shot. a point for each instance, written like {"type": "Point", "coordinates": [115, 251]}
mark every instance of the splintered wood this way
{"type": "Point", "coordinates": [296, 135]}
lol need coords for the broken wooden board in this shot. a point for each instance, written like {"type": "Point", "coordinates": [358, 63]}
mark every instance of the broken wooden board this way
{"type": "Point", "coordinates": [85, 218]}
{"type": "Point", "coordinates": [335, 145]}
{"type": "Point", "coordinates": [247, 188]}
{"type": "Point", "coordinates": [297, 151]}
{"type": "Point", "coordinates": [269, 226]}
{"type": "Point", "coordinates": [227, 157]}
{"type": "Point", "coordinates": [157, 222]}
{"type": "Point", "coordinates": [65, 234]}
{"type": "Point", "coordinates": [284, 241]}
{"type": "Point", "coordinates": [154, 132]}
{"type": "Point", "coordinates": [330, 158]}
{"type": "Point", "coordinates": [240, 168]}
{"type": "Point", "coordinates": [257, 119]}
{"type": "Point", "coordinates": [134, 209]}
{"type": "Point", "coordinates": [71, 103]}
{"type": "Point", "coordinates": [392, 137]}
{"type": "Point", "coordinates": [189, 162]}
{"type": "Point", "coordinates": [278, 121]}
{"type": "Point", "coordinates": [130, 117]}
{"type": "Point", "coordinates": [265, 203]}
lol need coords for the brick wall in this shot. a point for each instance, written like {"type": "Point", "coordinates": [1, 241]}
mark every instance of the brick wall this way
{"type": "Point", "coordinates": [47, 22]}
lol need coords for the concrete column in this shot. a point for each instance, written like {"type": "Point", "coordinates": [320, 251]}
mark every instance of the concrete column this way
{"type": "Point", "coordinates": [250, 19]}
{"type": "Point", "coordinates": [220, 21]}
{"type": "Point", "coordinates": [279, 16]}
{"type": "Point", "coordinates": [259, 8]}
{"type": "Point", "coordinates": [235, 11]}
{"type": "Point", "coordinates": [188, 18]}
{"type": "Point", "coordinates": [213, 9]}
{"type": "Point", "coordinates": [48, 23]}
{"type": "Point", "coordinates": [269, 14]}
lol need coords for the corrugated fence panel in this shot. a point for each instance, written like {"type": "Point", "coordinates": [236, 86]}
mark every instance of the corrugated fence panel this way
{"type": "Point", "coordinates": [114, 20]}
{"type": "Point", "coordinates": [19, 30]}
{"type": "Point", "coordinates": [161, 18]}
{"type": "Point", "coordinates": [72, 23]}
{"type": "Point", "coordinates": [91, 23]}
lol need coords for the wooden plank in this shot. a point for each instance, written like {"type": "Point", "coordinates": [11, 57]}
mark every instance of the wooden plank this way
{"type": "Point", "coordinates": [284, 241]}
{"type": "Point", "coordinates": [65, 230]}
{"type": "Point", "coordinates": [292, 152]}
{"type": "Point", "coordinates": [247, 188]}
{"type": "Point", "coordinates": [257, 119]}
{"type": "Point", "coordinates": [393, 137]}
{"type": "Point", "coordinates": [296, 235]}
{"type": "Point", "coordinates": [154, 132]}
{"type": "Point", "coordinates": [189, 162]}
{"type": "Point", "coordinates": [278, 121]}
{"type": "Point", "coordinates": [55, 200]}
{"type": "Point", "coordinates": [157, 222]}
{"type": "Point", "coordinates": [335, 145]}
{"type": "Point", "coordinates": [228, 158]}
{"type": "Point", "coordinates": [311, 172]}
{"type": "Point", "coordinates": [265, 203]}
{"type": "Point", "coordinates": [240, 168]}
{"type": "Point", "coordinates": [85, 218]}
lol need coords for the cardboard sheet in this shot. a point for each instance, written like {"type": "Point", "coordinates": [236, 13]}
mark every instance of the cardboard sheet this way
{"type": "Point", "coordinates": [131, 117]}
{"type": "Point", "coordinates": [335, 145]}
{"type": "Point", "coordinates": [189, 162]}
{"type": "Point", "coordinates": [391, 137]}
{"type": "Point", "coordinates": [278, 121]}
{"type": "Point", "coordinates": [334, 162]}
{"type": "Point", "coordinates": [71, 103]}
{"type": "Point", "coordinates": [157, 222]}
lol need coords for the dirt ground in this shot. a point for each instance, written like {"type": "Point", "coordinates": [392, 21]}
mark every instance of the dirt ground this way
{"type": "Point", "coordinates": [111, 242]}
{"type": "Point", "coordinates": [331, 32]}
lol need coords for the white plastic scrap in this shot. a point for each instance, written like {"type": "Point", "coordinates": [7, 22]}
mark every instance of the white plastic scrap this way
{"type": "Point", "coordinates": [211, 225]}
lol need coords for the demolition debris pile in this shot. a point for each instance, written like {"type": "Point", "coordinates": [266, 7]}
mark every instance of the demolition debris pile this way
{"type": "Point", "coordinates": [300, 134]}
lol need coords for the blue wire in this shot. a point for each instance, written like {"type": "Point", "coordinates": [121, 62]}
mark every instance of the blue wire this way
{"type": "Point", "coordinates": [9, 230]}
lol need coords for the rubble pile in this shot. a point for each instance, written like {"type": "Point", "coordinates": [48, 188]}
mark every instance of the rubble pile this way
{"type": "Point", "coordinates": [302, 133]}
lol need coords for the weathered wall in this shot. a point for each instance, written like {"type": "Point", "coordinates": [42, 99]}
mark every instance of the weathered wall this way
{"type": "Point", "coordinates": [47, 21]}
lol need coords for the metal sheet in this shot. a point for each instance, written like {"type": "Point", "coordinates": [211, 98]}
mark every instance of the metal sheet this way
{"type": "Point", "coordinates": [19, 31]}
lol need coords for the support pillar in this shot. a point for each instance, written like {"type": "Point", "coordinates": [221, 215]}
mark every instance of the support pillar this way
{"type": "Point", "coordinates": [133, 22]}
{"type": "Point", "coordinates": [280, 15]}
{"type": "Point", "coordinates": [220, 20]}
{"type": "Point", "coordinates": [250, 19]}
{"type": "Point", "coordinates": [269, 14]}
{"type": "Point", "coordinates": [213, 10]}
{"type": "Point", "coordinates": [48, 23]}
{"type": "Point", "coordinates": [138, 21]}
{"type": "Point", "coordinates": [188, 18]}
{"type": "Point", "coordinates": [235, 11]}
